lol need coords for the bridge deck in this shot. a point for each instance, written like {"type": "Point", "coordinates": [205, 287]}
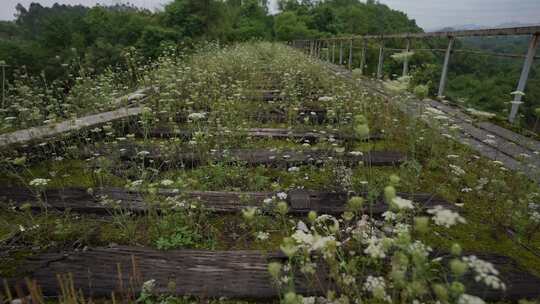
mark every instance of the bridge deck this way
{"type": "Point", "coordinates": [515, 151]}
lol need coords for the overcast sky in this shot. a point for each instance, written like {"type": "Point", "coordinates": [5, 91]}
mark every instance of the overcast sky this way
{"type": "Point", "coordinates": [429, 14]}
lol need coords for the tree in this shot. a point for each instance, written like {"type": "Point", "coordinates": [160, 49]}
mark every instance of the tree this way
{"type": "Point", "coordinates": [194, 18]}
{"type": "Point", "coordinates": [288, 26]}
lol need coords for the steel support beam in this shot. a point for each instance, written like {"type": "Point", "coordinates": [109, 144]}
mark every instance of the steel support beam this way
{"type": "Point", "coordinates": [363, 59]}
{"type": "Point", "coordinates": [327, 50]}
{"type": "Point", "coordinates": [341, 52]}
{"type": "Point", "coordinates": [406, 61]}
{"type": "Point", "coordinates": [381, 61]}
{"type": "Point", "coordinates": [444, 74]}
{"type": "Point", "coordinates": [350, 55]}
{"type": "Point", "coordinates": [334, 52]}
{"type": "Point", "coordinates": [531, 52]}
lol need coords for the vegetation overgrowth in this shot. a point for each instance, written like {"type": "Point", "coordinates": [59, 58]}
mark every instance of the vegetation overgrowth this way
{"type": "Point", "coordinates": [215, 94]}
{"type": "Point", "coordinates": [61, 44]}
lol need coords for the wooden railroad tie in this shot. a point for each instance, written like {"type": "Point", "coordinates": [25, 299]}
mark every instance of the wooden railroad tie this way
{"type": "Point", "coordinates": [233, 274]}
{"type": "Point", "coordinates": [41, 133]}
{"type": "Point", "coordinates": [270, 95]}
{"type": "Point", "coordinates": [300, 201]}
{"type": "Point", "coordinates": [252, 157]}
{"type": "Point", "coordinates": [277, 133]}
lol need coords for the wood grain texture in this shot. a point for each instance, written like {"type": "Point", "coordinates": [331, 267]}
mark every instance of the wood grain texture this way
{"type": "Point", "coordinates": [300, 201]}
{"type": "Point", "coordinates": [255, 157]}
{"type": "Point", "coordinates": [233, 274]}
{"type": "Point", "coordinates": [277, 133]}
{"type": "Point", "coordinates": [527, 142]}
{"type": "Point", "coordinates": [46, 132]}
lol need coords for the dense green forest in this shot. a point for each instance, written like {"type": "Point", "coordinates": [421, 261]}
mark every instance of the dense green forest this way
{"type": "Point", "coordinates": [61, 42]}
{"type": "Point", "coordinates": [42, 38]}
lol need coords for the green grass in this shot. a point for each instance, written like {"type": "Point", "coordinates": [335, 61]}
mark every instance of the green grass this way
{"type": "Point", "coordinates": [497, 200]}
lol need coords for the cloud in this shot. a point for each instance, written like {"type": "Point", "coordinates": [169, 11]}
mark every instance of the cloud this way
{"type": "Point", "coordinates": [432, 14]}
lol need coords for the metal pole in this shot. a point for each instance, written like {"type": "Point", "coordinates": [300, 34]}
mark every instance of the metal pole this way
{"type": "Point", "coordinates": [341, 52]}
{"type": "Point", "coordinates": [3, 86]}
{"type": "Point", "coordinates": [333, 51]}
{"type": "Point", "coordinates": [444, 74]}
{"type": "Point", "coordinates": [350, 55]}
{"type": "Point", "coordinates": [363, 59]}
{"type": "Point", "coordinates": [531, 52]}
{"type": "Point", "coordinates": [381, 61]}
{"type": "Point", "coordinates": [4, 65]}
{"type": "Point", "coordinates": [406, 61]}
{"type": "Point", "coordinates": [327, 51]}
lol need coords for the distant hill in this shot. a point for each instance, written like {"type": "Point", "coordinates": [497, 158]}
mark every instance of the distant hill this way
{"type": "Point", "coordinates": [466, 27]}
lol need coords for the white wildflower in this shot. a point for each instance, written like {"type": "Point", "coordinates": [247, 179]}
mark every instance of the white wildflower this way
{"type": "Point", "coordinates": [197, 116]}
{"type": "Point", "coordinates": [445, 217]}
{"type": "Point", "coordinates": [282, 195]}
{"type": "Point", "coordinates": [457, 170]}
{"type": "Point", "coordinates": [389, 216]}
{"type": "Point", "coordinates": [39, 182]}
{"type": "Point", "coordinates": [375, 248]}
{"type": "Point", "coordinates": [377, 287]}
{"type": "Point", "coordinates": [167, 182]}
{"type": "Point", "coordinates": [148, 286]}
{"type": "Point", "coordinates": [262, 236]}
{"type": "Point", "coordinates": [485, 272]}
{"type": "Point", "coordinates": [468, 299]}
{"type": "Point", "coordinates": [402, 203]}
{"type": "Point", "coordinates": [143, 153]}
{"type": "Point", "coordinates": [326, 98]}
{"type": "Point", "coordinates": [302, 226]}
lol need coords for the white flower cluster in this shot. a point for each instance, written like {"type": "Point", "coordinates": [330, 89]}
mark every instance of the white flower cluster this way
{"type": "Point", "coordinates": [375, 248]}
{"type": "Point", "coordinates": [197, 116]}
{"type": "Point", "coordinates": [326, 99]}
{"type": "Point", "coordinates": [485, 272]}
{"type": "Point", "coordinates": [481, 114]}
{"type": "Point", "coordinates": [135, 184]}
{"type": "Point", "coordinates": [534, 212]}
{"type": "Point", "coordinates": [282, 195]}
{"type": "Point", "coordinates": [167, 182]}
{"type": "Point", "coordinates": [271, 202]}
{"type": "Point", "coordinates": [262, 236]}
{"type": "Point", "coordinates": [39, 182]}
{"type": "Point", "coordinates": [535, 216]}
{"type": "Point", "coordinates": [402, 203]}
{"type": "Point", "coordinates": [420, 249]}
{"type": "Point", "coordinates": [468, 299]}
{"type": "Point", "coordinates": [445, 217]}
{"type": "Point", "coordinates": [377, 287]}
{"type": "Point", "coordinates": [402, 56]}
{"type": "Point", "coordinates": [148, 286]}
{"type": "Point", "coordinates": [457, 170]}
{"type": "Point", "coordinates": [312, 242]}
